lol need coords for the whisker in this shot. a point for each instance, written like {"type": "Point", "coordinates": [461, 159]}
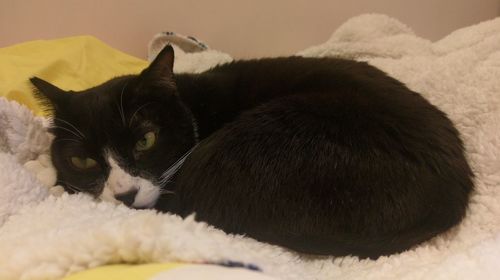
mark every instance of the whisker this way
{"type": "Point", "coordinates": [68, 139]}
{"type": "Point", "coordinates": [69, 130]}
{"type": "Point", "coordinates": [122, 112]}
{"type": "Point", "coordinates": [164, 178]}
{"type": "Point", "coordinates": [77, 130]}
{"type": "Point", "coordinates": [164, 191]}
{"type": "Point", "coordinates": [196, 134]}
{"type": "Point", "coordinates": [70, 186]}
{"type": "Point", "coordinates": [136, 111]}
{"type": "Point", "coordinates": [97, 186]}
{"type": "Point", "coordinates": [93, 188]}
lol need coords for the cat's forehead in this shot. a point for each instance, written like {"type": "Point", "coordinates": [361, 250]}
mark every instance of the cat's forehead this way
{"type": "Point", "coordinates": [115, 109]}
{"type": "Point", "coordinates": [97, 113]}
{"type": "Point", "coordinates": [102, 102]}
{"type": "Point", "coordinates": [89, 109]}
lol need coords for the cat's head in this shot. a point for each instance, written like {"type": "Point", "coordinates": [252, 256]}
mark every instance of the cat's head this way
{"type": "Point", "coordinates": [116, 140]}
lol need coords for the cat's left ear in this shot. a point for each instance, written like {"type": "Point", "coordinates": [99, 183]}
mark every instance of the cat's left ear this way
{"type": "Point", "coordinates": [48, 94]}
{"type": "Point", "coordinates": [163, 64]}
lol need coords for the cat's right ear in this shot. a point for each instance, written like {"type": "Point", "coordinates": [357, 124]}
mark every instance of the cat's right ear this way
{"type": "Point", "coordinates": [163, 65]}
{"type": "Point", "coordinates": [48, 94]}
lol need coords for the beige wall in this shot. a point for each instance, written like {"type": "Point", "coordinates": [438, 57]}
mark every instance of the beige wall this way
{"type": "Point", "coordinates": [242, 28]}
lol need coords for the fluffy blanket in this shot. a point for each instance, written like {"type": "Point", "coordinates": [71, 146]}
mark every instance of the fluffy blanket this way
{"type": "Point", "coordinates": [47, 236]}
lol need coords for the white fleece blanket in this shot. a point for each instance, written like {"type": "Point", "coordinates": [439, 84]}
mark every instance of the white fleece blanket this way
{"type": "Point", "coordinates": [44, 236]}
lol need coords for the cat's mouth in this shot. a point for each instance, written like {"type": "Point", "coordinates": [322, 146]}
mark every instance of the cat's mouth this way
{"type": "Point", "coordinates": [143, 198]}
{"type": "Point", "coordinates": [134, 191]}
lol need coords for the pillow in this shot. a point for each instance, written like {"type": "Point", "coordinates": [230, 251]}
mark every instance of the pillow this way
{"type": "Point", "coordinates": [72, 63]}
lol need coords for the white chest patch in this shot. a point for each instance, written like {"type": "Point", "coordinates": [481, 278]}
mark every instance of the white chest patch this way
{"type": "Point", "coordinates": [120, 183]}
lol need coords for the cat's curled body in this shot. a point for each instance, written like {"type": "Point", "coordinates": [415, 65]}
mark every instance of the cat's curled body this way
{"type": "Point", "coordinates": [320, 155]}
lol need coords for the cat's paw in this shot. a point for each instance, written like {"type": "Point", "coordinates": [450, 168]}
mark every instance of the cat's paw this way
{"type": "Point", "coordinates": [43, 170]}
{"type": "Point", "coordinates": [56, 190]}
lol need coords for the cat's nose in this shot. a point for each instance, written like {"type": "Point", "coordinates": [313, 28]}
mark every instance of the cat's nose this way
{"type": "Point", "coordinates": [127, 197]}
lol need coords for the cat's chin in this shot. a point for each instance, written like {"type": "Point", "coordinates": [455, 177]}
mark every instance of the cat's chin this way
{"type": "Point", "coordinates": [145, 204]}
{"type": "Point", "coordinates": [146, 198]}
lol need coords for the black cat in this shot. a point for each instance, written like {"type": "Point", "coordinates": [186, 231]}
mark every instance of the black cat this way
{"type": "Point", "coordinates": [320, 155]}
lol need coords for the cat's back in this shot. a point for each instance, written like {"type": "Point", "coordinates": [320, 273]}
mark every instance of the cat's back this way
{"type": "Point", "coordinates": [328, 156]}
{"type": "Point", "coordinates": [259, 80]}
{"type": "Point", "coordinates": [294, 66]}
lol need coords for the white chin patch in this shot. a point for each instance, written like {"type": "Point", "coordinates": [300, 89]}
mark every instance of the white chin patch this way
{"type": "Point", "coordinates": [119, 182]}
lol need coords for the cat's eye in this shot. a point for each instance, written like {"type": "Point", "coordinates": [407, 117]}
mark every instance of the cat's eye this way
{"type": "Point", "coordinates": [146, 143]}
{"type": "Point", "coordinates": [83, 163]}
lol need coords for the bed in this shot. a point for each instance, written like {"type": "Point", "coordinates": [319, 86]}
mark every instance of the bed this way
{"type": "Point", "coordinates": [48, 234]}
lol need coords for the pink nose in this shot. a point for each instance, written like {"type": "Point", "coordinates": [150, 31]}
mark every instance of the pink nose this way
{"type": "Point", "coordinates": [127, 197]}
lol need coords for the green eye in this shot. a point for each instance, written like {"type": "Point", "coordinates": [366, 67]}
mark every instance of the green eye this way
{"type": "Point", "coordinates": [146, 143]}
{"type": "Point", "coordinates": [83, 163]}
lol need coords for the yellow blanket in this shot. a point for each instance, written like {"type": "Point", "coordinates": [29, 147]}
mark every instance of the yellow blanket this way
{"type": "Point", "coordinates": [168, 271]}
{"type": "Point", "coordinates": [77, 63]}
{"type": "Point", "coordinates": [72, 63]}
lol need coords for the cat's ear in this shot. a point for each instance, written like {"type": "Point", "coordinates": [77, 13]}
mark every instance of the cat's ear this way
{"type": "Point", "coordinates": [48, 94]}
{"type": "Point", "coordinates": [163, 64]}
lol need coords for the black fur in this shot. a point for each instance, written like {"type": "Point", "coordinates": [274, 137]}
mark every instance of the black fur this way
{"type": "Point", "coordinates": [320, 155]}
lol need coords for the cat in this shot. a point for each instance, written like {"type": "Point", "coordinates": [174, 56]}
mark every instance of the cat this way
{"type": "Point", "coordinates": [323, 156]}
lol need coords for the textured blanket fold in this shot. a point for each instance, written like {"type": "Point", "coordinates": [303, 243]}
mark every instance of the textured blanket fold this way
{"type": "Point", "coordinates": [46, 236]}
